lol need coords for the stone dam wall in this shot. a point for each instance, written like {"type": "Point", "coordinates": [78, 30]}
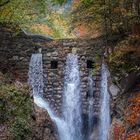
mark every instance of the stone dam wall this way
{"type": "Point", "coordinates": [15, 53]}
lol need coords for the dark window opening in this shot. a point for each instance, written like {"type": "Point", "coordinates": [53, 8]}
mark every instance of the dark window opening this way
{"type": "Point", "coordinates": [54, 64]}
{"type": "Point", "coordinates": [89, 94]}
{"type": "Point", "coordinates": [90, 64]}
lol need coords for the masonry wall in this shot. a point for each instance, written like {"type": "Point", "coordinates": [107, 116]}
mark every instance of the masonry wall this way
{"type": "Point", "coordinates": [54, 78]}
{"type": "Point", "coordinates": [16, 50]}
{"type": "Point", "coordinates": [15, 53]}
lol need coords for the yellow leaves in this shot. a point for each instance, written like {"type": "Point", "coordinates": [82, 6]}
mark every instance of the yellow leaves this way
{"type": "Point", "coordinates": [75, 4]}
{"type": "Point", "coordinates": [117, 10]}
{"type": "Point", "coordinates": [60, 24]}
{"type": "Point", "coordinates": [44, 29]}
{"type": "Point", "coordinates": [57, 25]}
{"type": "Point", "coordinates": [81, 31]}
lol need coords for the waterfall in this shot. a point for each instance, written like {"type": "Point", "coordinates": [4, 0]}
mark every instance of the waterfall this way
{"type": "Point", "coordinates": [36, 82]}
{"type": "Point", "coordinates": [36, 74]}
{"type": "Point", "coordinates": [105, 111]}
{"type": "Point", "coordinates": [60, 123]}
{"type": "Point", "coordinates": [90, 105]}
{"type": "Point", "coordinates": [69, 127]}
{"type": "Point", "coordinates": [71, 100]}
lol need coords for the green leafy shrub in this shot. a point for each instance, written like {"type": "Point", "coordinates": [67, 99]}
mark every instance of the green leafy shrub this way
{"type": "Point", "coordinates": [20, 129]}
{"type": "Point", "coordinates": [16, 109]}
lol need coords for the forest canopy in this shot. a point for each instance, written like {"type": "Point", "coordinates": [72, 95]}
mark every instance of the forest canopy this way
{"type": "Point", "coordinates": [108, 15]}
{"type": "Point", "coordinates": [67, 18]}
{"type": "Point", "coordinates": [27, 14]}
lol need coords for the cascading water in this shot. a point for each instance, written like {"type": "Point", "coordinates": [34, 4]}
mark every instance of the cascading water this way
{"type": "Point", "coordinates": [105, 111]}
{"type": "Point", "coordinates": [69, 127]}
{"type": "Point", "coordinates": [36, 82]}
{"type": "Point", "coordinates": [90, 106]}
{"type": "Point", "coordinates": [36, 74]}
{"type": "Point", "coordinates": [71, 100]}
{"type": "Point", "coordinates": [60, 123]}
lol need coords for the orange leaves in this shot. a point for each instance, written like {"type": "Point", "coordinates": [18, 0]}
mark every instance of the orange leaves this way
{"type": "Point", "coordinates": [127, 128]}
{"type": "Point", "coordinates": [133, 136]}
{"type": "Point", "coordinates": [81, 31]}
{"type": "Point", "coordinates": [133, 110]}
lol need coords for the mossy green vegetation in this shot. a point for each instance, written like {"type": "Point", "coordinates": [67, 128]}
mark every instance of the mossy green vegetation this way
{"type": "Point", "coordinates": [108, 16]}
{"type": "Point", "coordinates": [125, 57]}
{"type": "Point", "coordinates": [16, 110]}
{"type": "Point", "coordinates": [36, 16]}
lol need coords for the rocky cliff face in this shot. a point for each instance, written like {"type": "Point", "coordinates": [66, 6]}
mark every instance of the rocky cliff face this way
{"type": "Point", "coordinates": [125, 106]}
{"type": "Point", "coordinates": [125, 114]}
{"type": "Point", "coordinates": [124, 87]}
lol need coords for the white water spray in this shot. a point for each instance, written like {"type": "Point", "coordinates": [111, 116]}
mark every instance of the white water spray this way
{"type": "Point", "coordinates": [69, 127]}
{"type": "Point", "coordinates": [60, 123]}
{"type": "Point", "coordinates": [71, 100]}
{"type": "Point", "coordinates": [36, 82]}
{"type": "Point", "coordinates": [90, 105]}
{"type": "Point", "coordinates": [36, 74]}
{"type": "Point", "coordinates": [105, 111]}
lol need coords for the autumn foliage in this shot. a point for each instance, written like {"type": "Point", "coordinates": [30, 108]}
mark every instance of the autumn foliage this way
{"type": "Point", "coordinates": [133, 110]}
{"type": "Point", "coordinates": [133, 136]}
{"type": "Point", "coordinates": [127, 128]}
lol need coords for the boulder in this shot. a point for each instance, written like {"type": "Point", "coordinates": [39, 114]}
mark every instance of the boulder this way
{"type": "Point", "coordinates": [114, 90]}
